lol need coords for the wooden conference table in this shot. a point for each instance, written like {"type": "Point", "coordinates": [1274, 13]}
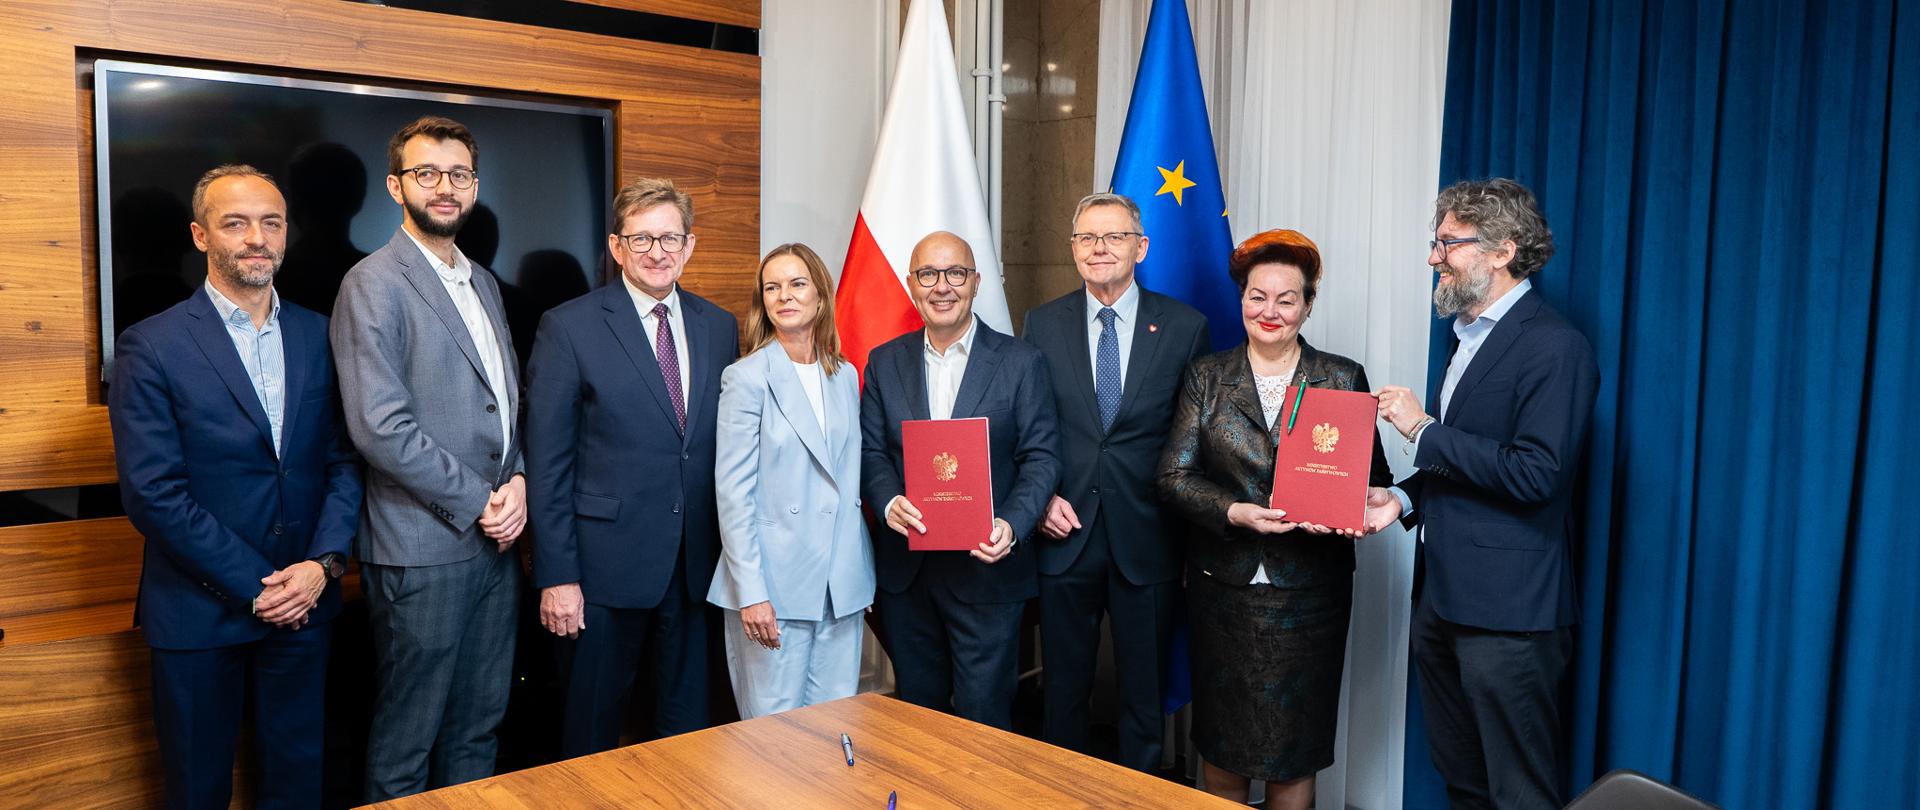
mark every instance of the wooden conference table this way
{"type": "Point", "coordinates": [793, 760]}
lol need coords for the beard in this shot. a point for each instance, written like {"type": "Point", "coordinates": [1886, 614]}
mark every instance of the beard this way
{"type": "Point", "coordinates": [1466, 291]}
{"type": "Point", "coordinates": [423, 219]}
{"type": "Point", "coordinates": [228, 264]}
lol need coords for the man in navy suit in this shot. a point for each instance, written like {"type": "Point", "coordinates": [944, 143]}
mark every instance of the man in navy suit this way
{"type": "Point", "coordinates": [953, 619]}
{"type": "Point", "coordinates": [622, 397]}
{"type": "Point", "coordinates": [1492, 493]}
{"type": "Point", "coordinates": [235, 466]}
{"type": "Point", "coordinates": [1118, 353]}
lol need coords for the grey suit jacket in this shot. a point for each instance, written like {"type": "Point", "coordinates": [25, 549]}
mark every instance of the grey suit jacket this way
{"type": "Point", "coordinates": [419, 408]}
{"type": "Point", "coordinates": [789, 494]}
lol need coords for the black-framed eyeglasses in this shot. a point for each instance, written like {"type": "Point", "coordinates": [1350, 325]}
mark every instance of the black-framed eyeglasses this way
{"type": "Point", "coordinates": [1115, 240]}
{"type": "Point", "coordinates": [929, 276]}
{"type": "Point", "coordinates": [643, 242]}
{"type": "Point", "coordinates": [429, 177]}
{"type": "Point", "coordinates": [1444, 245]}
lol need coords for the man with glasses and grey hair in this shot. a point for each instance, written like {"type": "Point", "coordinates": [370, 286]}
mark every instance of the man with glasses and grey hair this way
{"type": "Point", "coordinates": [1492, 495]}
{"type": "Point", "coordinates": [428, 378]}
{"type": "Point", "coordinates": [623, 393]}
{"type": "Point", "coordinates": [1106, 549]}
{"type": "Point", "coordinates": [953, 618]}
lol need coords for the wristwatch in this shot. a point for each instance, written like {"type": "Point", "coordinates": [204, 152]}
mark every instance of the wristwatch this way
{"type": "Point", "coordinates": [332, 563]}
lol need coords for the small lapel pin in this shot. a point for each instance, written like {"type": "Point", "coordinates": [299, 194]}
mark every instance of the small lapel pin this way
{"type": "Point", "coordinates": [1153, 327]}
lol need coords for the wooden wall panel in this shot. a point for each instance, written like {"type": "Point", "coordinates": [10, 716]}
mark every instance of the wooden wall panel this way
{"type": "Point", "coordinates": [65, 566]}
{"type": "Point", "coordinates": [731, 12]}
{"type": "Point", "coordinates": [44, 447]}
{"type": "Point", "coordinates": [76, 726]}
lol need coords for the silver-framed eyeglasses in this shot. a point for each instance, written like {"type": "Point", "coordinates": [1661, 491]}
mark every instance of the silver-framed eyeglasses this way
{"type": "Point", "coordinates": [930, 276]}
{"type": "Point", "coordinates": [1114, 241]}
{"type": "Point", "coordinates": [1444, 245]}
{"type": "Point", "coordinates": [643, 242]}
{"type": "Point", "coordinates": [428, 177]}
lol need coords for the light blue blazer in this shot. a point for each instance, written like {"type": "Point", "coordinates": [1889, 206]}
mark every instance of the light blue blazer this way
{"type": "Point", "coordinates": [790, 524]}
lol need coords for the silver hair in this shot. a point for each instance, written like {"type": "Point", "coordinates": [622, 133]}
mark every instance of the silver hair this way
{"type": "Point", "coordinates": [1501, 210]}
{"type": "Point", "coordinates": [1106, 198]}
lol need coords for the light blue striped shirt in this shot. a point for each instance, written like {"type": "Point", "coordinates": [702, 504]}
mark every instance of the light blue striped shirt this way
{"type": "Point", "coordinates": [262, 353]}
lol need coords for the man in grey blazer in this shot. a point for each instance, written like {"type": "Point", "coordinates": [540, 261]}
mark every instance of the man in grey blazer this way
{"type": "Point", "coordinates": [428, 380]}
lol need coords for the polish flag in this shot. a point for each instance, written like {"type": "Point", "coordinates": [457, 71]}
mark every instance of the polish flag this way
{"type": "Point", "coordinates": [923, 180]}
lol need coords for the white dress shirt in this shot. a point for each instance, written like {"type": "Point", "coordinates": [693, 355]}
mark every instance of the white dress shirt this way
{"type": "Point", "coordinates": [1125, 308]}
{"type": "Point", "coordinates": [945, 371]}
{"type": "Point", "coordinates": [676, 322]}
{"type": "Point", "coordinates": [458, 279]}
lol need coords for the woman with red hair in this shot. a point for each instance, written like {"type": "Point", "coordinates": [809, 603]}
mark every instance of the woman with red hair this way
{"type": "Point", "coordinates": [1269, 598]}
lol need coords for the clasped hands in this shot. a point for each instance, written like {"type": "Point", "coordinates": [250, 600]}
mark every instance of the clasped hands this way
{"type": "Point", "coordinates": [902, 515]}
{"type": "Point", "coordinates": [290, 593]}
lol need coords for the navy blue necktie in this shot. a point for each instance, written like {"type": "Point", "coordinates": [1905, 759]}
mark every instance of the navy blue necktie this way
{"type": "Point", "coordinates": [1106, 370]}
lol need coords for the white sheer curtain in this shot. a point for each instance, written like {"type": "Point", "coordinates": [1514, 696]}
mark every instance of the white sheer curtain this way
{"type": "Point", "coordinates": [1327, 117]}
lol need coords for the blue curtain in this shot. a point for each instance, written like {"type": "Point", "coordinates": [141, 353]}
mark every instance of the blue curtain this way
{"type": "Point", "coordinates": [1735, 190]}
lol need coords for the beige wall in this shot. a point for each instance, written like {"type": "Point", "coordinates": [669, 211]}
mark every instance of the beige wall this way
{"type": "Point", "coordinates": [1052, 61]}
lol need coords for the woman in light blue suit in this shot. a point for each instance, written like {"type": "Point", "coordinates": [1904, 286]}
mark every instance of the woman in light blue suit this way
{"type": "Point", "coordinates": [796, 567]}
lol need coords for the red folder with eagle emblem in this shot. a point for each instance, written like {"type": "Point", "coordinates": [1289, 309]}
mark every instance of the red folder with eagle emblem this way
{"type": "Point", "coordinates": [950, 479]}
{"type": "Point", "coordinates": [1320, 471]}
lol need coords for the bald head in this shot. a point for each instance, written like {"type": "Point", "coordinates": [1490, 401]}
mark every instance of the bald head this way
{"type": "Point", "coordinates": [941, 277]}
{"type": "Point", "coordinates": [940, 241]}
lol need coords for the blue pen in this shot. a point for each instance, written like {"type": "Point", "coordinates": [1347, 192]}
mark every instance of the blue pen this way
{"type": "Point", "coordinates": [893, 797]}
{"type": "Point", "coordinates": [846, 744]}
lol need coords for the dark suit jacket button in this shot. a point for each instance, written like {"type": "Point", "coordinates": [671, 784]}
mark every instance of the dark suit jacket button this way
{"type": "Point", "coordinates": [492, 408]}
{"type": "Point", "coordinates": [684, 456]}
{"type": "Point", "coordinates": [493, 456]}
{"type": "Point", "coordinates": [1096, 490]}
{"type": "Point", "coordinates": [277, 528]}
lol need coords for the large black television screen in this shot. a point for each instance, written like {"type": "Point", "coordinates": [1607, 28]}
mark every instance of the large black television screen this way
{"type": "Point", "coordinates": [540, 224]}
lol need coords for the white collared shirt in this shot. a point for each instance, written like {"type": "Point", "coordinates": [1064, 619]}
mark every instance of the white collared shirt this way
{"type": "Point", "coordinates": [945, 371]}
{"type": "Point", "coordinates": [458, 279]}
{"type": "Point", "coordinates": [1125, 308]}
{"type": "Point", "coordinates": [676, 323]}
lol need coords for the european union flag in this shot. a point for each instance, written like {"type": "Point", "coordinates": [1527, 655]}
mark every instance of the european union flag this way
{"type": "Point", "coordinates": [1167, 166]}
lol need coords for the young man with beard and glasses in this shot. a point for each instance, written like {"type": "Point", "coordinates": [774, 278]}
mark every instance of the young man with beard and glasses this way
{"type": "Point", "coordinates": [428, 376]}
{"type": "Point", "coordinates": [953, 619]}
{"type": "Point", "coordinates": [236, 468]}
{"type": "Point", "coordinates": [1492, 494]}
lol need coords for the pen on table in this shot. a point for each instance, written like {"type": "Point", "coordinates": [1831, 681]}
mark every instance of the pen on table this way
{"type": "Point", "coordinates": [846, 744]}
{"type": "Point", "coordinates": [893, 798]}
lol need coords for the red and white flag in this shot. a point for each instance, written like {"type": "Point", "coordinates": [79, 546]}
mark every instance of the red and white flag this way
{"type": "Point", "coordinates": [923, 180]}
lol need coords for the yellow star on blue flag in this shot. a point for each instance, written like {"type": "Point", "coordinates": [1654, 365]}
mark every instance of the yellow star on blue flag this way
{"type": "Point", "coordinates": [1167, 123]}
{"type": "Point", "coordinates": [1174, 182]}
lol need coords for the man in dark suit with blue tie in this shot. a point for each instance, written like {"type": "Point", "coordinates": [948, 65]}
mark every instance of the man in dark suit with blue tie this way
{"type": "Point", "coordinates": [622, 396]}
{"type": "Point", "coordinates": [1492, 493]}
{"type": "Point", "coordinates": [235, 466]}
{"type": "Point", "coordinates": [1117, 353]}
{"type": "Point", "coordinates": [953, 619]}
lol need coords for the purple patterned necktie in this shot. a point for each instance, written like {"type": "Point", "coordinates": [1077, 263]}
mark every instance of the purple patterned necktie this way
{"type": "Point", "coordinates": [669, 357]}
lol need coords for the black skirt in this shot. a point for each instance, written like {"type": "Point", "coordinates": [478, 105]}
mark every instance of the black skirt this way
{"type": "Point", "coordinates": [1266, 674]}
